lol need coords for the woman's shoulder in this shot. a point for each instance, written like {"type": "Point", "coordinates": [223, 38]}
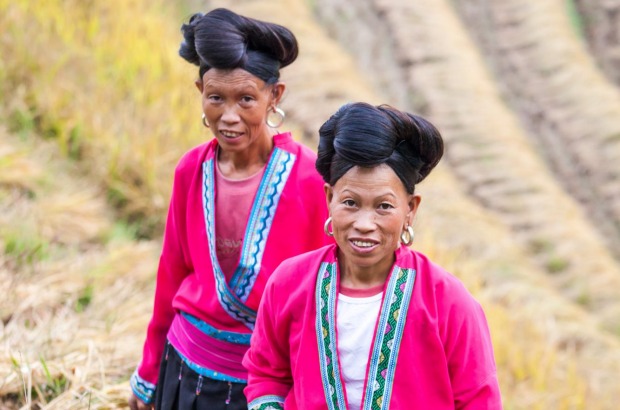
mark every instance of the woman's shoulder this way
{"type": "Point", "coordinates": [286, 142]}
{"type": "Point", "coordinates": [301, 268]}
{"type": "Point", "coordinates": [195, 157]}
{"type": "Point", "coordinates": [434, 279]}
{"type": "Point", "coordinates": [296, 279]}
{"type": "Point", "coordinates": [305, 159]}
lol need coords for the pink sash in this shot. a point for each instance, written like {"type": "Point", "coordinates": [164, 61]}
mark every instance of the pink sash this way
{"type": "Point", "coordinates": [206, 352]}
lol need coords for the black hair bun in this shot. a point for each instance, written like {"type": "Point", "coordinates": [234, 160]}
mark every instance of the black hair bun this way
{"type": "Point", "coordinates": [360, 134]}
{"type": "Point", "coordinates": [226, 40]}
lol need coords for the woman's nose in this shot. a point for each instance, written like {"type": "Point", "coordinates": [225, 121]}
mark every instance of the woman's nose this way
{"type": "Point", "coordinates": [230, 115]}
{"type": "Point", "coordinates": [365, 221]}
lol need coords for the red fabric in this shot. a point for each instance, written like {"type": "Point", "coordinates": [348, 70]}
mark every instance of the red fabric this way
{"type": "Point", "coordinates": [445, 359]}
{"type": "Point", "coordinates": [185, 280]}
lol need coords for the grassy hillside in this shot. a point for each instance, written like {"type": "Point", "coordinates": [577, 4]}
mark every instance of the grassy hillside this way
{"type": "Point", "coordinates": [96, 108]}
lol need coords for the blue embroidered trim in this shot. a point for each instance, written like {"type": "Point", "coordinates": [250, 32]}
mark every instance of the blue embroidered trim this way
{"type": "Point", "coordinates": [393, 309]}
{"type": "Point", "coordinates": [260, 221]}
{"type": "Point", "coordinates": [231, 337]}
{"type": "Point", "coordinates": [326, 329]}
{"type": "Point", "coordinates": [144, 390]}
{"type": "Point", "coordinates": [229, 302]}
{"type": "Point", "coordinates": [233, 296]}
{"type": "Point", "coordinates": [203, 371]}
{"type": "Point", "coordinates": [270, 402]}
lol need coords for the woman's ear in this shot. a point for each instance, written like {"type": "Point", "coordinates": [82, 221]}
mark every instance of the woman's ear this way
{"type": "Point", "coordinates": [329, 193]}
{"type": "Point", "coordinates": [200, 85]}
{"type": "Point", "coordinates": [277, 91]}
{"type": "Point", "coordinates": [414, 205]}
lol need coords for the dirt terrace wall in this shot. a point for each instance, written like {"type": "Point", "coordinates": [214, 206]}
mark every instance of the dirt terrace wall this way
{"type": "Point", "coordinates": [601, 26]}
{"type": "Point", "coordinates": [572, 111]}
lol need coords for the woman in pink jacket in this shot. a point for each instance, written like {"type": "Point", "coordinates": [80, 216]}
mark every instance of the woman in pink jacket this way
{"type": "Point", "coordinates": [241, 204]}
{"type": "Point", "coordinates": [369, 323]}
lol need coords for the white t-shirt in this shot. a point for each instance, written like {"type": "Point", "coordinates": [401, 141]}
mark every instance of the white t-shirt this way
{"type": "Point", "coordinates": [356, 319]}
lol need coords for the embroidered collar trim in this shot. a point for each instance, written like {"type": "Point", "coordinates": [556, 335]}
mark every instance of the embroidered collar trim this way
{"type": "Point", "coordinates": [386, 343]}
{"type": "Point", "coordinates": [232, 296]}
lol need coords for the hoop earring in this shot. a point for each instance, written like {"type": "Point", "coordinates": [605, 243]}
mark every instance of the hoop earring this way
{"type": "Point", "coordinates": [204, 120]}
{"type": "Point", "coordinates": [326, 227]}
{"type": "Point", "coordinates": [406, 237]}
{"type": "Point", "coordinates": [280, 117]}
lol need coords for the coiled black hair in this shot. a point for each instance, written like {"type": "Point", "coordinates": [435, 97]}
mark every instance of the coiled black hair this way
{"type": "Point", "coordinates": [225, 40]}
{"type": "Point", "coordinates": [360, 134]}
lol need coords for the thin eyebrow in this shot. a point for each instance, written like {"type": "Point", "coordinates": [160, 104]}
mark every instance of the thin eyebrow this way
{"type": "Point", "coordinates": [382, 196]}
{"type": "Point", "coordinates": [242, 89]}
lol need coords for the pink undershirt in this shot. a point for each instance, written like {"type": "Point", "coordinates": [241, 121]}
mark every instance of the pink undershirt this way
{"type": "Point", "coordinates": [361, 293]}
{"type": "Point", "coordinates": [233, 201]}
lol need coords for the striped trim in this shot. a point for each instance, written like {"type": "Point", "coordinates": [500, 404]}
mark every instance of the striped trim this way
{"type": "Point", "coordinates": [386, 345]}
{"type": "Point", "coordinates": [270, 402]}
{"type": "Point", "coordinates": [203, 371]}
{"type": "Point", "coordinates": [259, 223]}
{"type": "Point", "coordinates": [387, 340]}
{"type": "Point", "coordinates": [144, 390]}
{"type": "Point", "coordinates": [229, 302]}
{"type": "Point", "coordinates": [224, 335]}
{"type": "Point", "coordinates": [326, 294]}
{"type": "Point", "coordinates": [232, 297]}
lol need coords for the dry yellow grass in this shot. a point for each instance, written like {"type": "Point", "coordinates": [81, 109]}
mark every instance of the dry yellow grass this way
{"type": "Point", "coordinates": [98, 80]}
{"type": "Point", "coordinates": [78, 283]}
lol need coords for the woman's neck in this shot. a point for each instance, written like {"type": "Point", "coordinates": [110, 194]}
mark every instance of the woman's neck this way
{"type": "Point", "coordinates": [363, 277]}
{"type": "Point", "coordinates": [244, 164]}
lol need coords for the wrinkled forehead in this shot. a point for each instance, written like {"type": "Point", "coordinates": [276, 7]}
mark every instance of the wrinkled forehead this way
{"type": "Point", "coordinates": [233, 78]}
{"type": "Point", "coordinates": [379, 179]}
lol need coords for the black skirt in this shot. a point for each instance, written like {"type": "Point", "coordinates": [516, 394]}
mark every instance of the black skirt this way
{"type": "Point", "coordinates": [181, 388]}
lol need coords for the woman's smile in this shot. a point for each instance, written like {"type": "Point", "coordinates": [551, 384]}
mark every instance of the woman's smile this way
{"type": "Point", "coordinates": [230, 134]}
{"type": "Point", "coordinates": [370, 207]}
{"type": "Point", "coordinates": [363, 246]}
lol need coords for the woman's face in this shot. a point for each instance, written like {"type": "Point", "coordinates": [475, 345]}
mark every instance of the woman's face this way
{"type": "Point", "coordinates": [235, 104]}
{"type": "Point", "coordinates": [369, 207]}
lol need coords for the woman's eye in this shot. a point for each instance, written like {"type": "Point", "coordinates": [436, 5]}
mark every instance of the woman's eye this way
{"type": "Point", "coordinates": [349, 202]}
{"type": "Point", "coordinates": [214, 98]}
{"type": "Point", "coordinates": [247, 99]}
{"type": "Point", "coordinates": [385, 206]}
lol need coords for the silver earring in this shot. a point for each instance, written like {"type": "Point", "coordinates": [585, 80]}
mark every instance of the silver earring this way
{"type": "Point", "coordinates": [204, 120]}
{"type": "Point", "coordinates": [326, 227]}
{"type": "Point", "coordinates": [406, 237]}
{"type": "Point", "coordinates": [276, 112]}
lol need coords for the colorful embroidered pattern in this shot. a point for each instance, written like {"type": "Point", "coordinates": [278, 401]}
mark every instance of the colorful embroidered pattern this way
{"type": "Point", "coordinates": [387, 340]}
{"type": "Point", "coordinates": [144, 390]}
{"type": "Point", "coordinates": [267, 403]}
{"type": "Point", "coordinates": [259, 223]}
{"type": "Point", "coordinates": [232, 297]}
{"type": "Point", "coordinates": [326, 294]}
{"type": "Point", "coordinates": [229, 302]}
{"type": "Point", "coordinates": [384, 351]}
{"type": "Point", "coordinates": [231, 337]}
{"type": "Point", "coordinates": [212, 374]}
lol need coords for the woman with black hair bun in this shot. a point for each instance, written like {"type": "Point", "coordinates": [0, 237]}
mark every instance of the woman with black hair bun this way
{"type": "Point", "coordinates": [241, 204]}
{"type": "Point", "coordinates": [369, 323]}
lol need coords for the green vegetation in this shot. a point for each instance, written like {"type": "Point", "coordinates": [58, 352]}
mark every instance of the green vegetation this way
{"type": "Point", "coordinates": [575, 18]}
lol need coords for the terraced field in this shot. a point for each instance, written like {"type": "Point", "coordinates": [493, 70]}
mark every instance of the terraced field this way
{"type": "Point", "coordinates": [525, 207]}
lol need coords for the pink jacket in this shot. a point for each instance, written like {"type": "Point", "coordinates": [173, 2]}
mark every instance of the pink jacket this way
{"type": "Point", "coordinates": [431, 348]}
{"type": "Point", "coordinates": [286, 220]}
